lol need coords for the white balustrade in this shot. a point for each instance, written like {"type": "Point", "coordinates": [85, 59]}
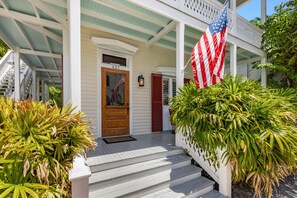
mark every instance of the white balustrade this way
{"type": "Point", "coordinates": [5, 64]}
{"type": "Point", "coordinates": [206, 10]}
{"type": "Point", "coordinates": [222, 175]}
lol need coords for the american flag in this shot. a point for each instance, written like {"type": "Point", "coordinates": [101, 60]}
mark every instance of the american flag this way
{"type": "Point", "coordinates": [116, 89]}
{"type": "Point", "coordinates": [119, 83]}
{"type": "Point", "coordinates": [209, 53]}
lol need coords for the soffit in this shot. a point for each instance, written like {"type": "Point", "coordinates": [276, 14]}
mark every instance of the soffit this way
{"type": "Point", "coordinates": [119, 17]}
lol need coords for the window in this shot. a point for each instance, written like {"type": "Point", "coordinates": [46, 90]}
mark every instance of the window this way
{"type": "Point", "coordinates": [165, 91]}
{"type": "Point", "coordinates": [114, 60]}
{"type": "Point", "coordinates": [169, 89]}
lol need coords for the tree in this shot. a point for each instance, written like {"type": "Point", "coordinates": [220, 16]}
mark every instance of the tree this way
{"type": "Point", "coordinates": [3, 48]}
{"type": "Point", "coordinates": [257, 22]}
{"type": "Point", "coordinates": [280, 44]}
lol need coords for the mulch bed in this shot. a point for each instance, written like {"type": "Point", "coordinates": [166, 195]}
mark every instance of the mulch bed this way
{"type": "Point", "coordinates": [286, 189]}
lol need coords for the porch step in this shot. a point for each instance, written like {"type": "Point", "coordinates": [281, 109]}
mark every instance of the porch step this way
{"type": "Point", "coordinates": [145, 185]}
{"type": "Point", "coordinates": [115, 176]}
{"type": "Point", "coordinates": [194, 188]}
{"type": "Point", "coordinates": [213, 194]}
{"type": "Point", "coordinates": [137, 157]}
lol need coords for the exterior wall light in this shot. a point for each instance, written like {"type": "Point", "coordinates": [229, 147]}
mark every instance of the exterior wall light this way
{"type": "Point", "coordinates": [141, 80]}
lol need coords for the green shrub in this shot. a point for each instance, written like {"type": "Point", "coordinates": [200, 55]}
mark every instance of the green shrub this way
{"type": "Point", "coordinates": [256, 126]}
{"type": "Point", "coordinates": [37, 146]}
{"type": "Point", "coordinates": [55, 95]}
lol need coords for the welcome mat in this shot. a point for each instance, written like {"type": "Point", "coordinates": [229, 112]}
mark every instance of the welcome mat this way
{"type": "Point", "coordinates": [118, 139]}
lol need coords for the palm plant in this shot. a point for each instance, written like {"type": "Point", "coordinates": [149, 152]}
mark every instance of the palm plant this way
{"type": "Point", "coordinates": [44, 140]}
{"type": "Point", "coordinates": [256, 126]}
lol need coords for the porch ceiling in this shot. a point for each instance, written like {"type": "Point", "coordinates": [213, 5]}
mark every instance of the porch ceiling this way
{"type": "Point", "coordinates": [35, 26]}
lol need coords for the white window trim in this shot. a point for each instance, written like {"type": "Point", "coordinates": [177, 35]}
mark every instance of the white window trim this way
{"type": "Point", "coordinates": [170, 87]}
{"type": "Point", "coordinates": [120, 49]}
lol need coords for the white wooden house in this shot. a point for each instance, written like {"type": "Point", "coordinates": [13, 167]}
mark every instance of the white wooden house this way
{"type": "Point", "coordinates": [99, 50]}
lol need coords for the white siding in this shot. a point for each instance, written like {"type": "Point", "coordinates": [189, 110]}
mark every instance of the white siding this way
{"type": "Point", "coordinates": [89, 81]}
{"type": "Point", "coordinates": [254, 74]}
{"type": "Point", "coordinates": [144, 62]}
{"type": "Point", "coordinates": [242, 70]}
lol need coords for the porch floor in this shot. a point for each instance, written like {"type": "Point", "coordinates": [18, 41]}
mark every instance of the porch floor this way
{"type": "Point", "coordinates": [144, 145]}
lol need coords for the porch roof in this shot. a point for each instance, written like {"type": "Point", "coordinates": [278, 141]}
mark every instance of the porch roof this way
{"type": "Point", "coordinates": [35, 27]}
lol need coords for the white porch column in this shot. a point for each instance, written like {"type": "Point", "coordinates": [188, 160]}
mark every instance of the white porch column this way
{"type": "Point", "coordinates": [17, 93]}
{"type": "Point", "coordinates": [66, 68]}
{"type": "Point", "coordinates": [42, 90]}
{"type": "Point", "coordinates": [37, 89]}
{"type": "Point", "coordinates": [46, 92]}
{"type": "Point", "coordinates": [180, 63]}
{"type": "Point", "coordinates": [234, 15]}
{"type": "Point", "coordinates": [263, 60]}
{"type": "Point", "coordinates": [233, 59]}
{"type": "Point", "coordinates": [79, 177]}
{"type": "Point", "coordinates": [33, 83]}
{"type": "Point", "coordinates": [180, 50]}
{"type": "Point", "coordinates": [75, 53]}
{"type": "Point", "coordinates": [225, 176]}
{"type": "Point", "coordinates": [80, 173]}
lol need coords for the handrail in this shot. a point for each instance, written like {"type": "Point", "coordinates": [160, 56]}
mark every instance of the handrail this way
{"type": "Point", "coordinates": [24, 81]}
{"type": "Point", "coordinates": [222, 175]}
{"type": "Point", "coordinates": [4, 66]}
{"type": "Point", "coordinates": [4, 58]}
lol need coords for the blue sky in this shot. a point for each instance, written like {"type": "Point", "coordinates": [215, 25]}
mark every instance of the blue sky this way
{"type": "Point", "coordinates": [252, 9]}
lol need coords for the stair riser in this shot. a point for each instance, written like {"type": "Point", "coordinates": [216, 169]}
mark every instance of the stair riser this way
{"type": "Point", "coordinates": [200, 192]}
{"type": "Point", "coordinates": [125, 162]}
{"type": "Point", "coordinates": [185, 179]}
{"type": "Point", "coordinates": [114, 181]}
{"type": "Point", "coordinates": [162, 186]}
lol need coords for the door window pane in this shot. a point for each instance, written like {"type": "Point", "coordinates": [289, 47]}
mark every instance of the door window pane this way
{"type": "Point", "coordinates": [115, 89]}
{"type": "Point", "coordinates": [165, 91]}
{"type": "Point", "coordinates": [173, 87]}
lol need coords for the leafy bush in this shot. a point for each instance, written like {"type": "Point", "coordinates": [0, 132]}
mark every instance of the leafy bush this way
{"type": "Point", "coordinates": [37, 146]}
{"type": "Point", "coordinates": [256, 126]}
{"type": "Point", "coordinates": [55, 95]}
{"type": "Point", "coordinates": [3, 48]}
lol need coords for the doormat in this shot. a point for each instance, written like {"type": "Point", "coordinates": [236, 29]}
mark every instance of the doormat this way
{"type": "Point", "coordinates": [118, 139]}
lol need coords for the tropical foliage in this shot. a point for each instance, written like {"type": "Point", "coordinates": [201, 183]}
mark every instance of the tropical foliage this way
{"type": "Point", "coordinates": [280, 43]}
{"type": "Point", "coordinates": [3, 48]}
{"type": "Point", "coordinates": [55, 95]}
{"type": "Point", "coordinates": [256, 126]}
{"type": "Point", "coordinates": [37, 146]}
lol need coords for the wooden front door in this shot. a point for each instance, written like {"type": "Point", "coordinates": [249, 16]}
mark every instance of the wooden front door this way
{"type": "Point", "coordinates": [115, 102]}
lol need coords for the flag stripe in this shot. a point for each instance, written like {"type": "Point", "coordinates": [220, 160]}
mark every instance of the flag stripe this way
{"type": "Point", "coordinates": [202, 68]}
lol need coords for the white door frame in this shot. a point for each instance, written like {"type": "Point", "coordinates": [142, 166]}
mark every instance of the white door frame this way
{"type": "Point", "coordinates": [119, 49]}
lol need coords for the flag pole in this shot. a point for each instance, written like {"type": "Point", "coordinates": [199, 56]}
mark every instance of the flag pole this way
{"type": "Point", "coordinates": [187, 63]}
{"type": "Point", "coordinates": [226, 2]}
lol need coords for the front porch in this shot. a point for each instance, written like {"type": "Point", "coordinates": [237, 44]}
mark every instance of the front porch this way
{"type": "Point", "coordinates": [144, 144]}
{"type": "Point", "coordinates": [151, 166]}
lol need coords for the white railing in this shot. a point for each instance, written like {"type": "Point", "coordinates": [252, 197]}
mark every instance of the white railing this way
{"type": "Point", "coordinates": [222, 175]}
{"type": "Point", "coordinates": [5, 64]}
{"type": "Point", "coordinates": [206, 10]}
{"type": "Point", "coordinates": [25, 80]}
{"type": "Point", "coordinates": [248, 31]}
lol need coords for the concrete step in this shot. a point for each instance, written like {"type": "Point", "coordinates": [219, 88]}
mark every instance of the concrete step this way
{"type": "Point", "coordinates": [151, 183]}
{"type": "Point", "coordinates": [139, 156]}
{"type": "Point", "coordinates": [119, 175]}
{"type": "Point", "coordinates": [192, 188]}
